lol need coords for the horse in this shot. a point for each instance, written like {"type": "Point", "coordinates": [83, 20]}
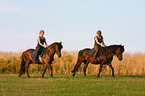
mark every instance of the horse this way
{"type": "Point", "coordinates": [103, 58]}
{"type": "Point", "coordinates": [47, 58]}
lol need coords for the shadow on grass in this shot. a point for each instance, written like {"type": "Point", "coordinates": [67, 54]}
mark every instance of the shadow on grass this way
{"type": "Point", "coordinates": [69, 76]}
{"type": "Point", "coordinates": [131, 76]}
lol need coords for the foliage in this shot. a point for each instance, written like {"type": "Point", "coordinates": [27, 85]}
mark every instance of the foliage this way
{"type": "Point", "coordinates": [132, 64]}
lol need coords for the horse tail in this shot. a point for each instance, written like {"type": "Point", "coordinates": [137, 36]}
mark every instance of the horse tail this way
{"type": "Point", "coordinates": [22, 69]}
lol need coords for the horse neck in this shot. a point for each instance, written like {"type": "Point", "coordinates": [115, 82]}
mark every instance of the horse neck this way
{"type": "Point", "coordinates": [111, 50]}
{"type": "Point", "coordinates": [52, 48]}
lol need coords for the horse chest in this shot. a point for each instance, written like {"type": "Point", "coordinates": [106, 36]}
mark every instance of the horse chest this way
{"type": "Point", "coordinates": [105, 59]}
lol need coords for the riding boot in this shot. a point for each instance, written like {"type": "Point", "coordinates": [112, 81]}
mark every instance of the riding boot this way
{"type": "Point", "coordinates": [35, 61]}
{"type": "Point", "coordinates": [95, 60]}
{"type": "Point", "coordinates": [96, 47]}
{"type": "Point", "coordinates": [95, 57]}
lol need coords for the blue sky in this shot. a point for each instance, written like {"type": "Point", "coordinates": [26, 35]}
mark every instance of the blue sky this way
{"type": "Point", "coordinates": [74, 22]}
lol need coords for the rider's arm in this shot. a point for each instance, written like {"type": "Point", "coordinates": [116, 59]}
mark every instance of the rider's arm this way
{"type": "Point", "coordinates": [103, 42]}
{"type": "Point", "coordinates": [97, 41]}
{"type": "Point", "coordinates": [40, 42]}
{"type": "Point", "coordinates": [46, 42]}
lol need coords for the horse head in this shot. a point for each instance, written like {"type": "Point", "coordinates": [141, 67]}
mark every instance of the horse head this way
{"type": "Point", "coordinates": [119, 52]}
{"type": "Point", "coordinates": [58, 49]}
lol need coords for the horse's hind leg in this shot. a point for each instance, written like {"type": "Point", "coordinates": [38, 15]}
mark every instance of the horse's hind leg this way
{"type": "Point", "coordinates": [20, 74]}
{"type": "Point", "coordinates": [109, 64]}
{"type": "Point", "coordinates": [26, 67]}
{"type": "Point", "coordinates": [76, 68]}
{"type": "Point", "coordinates": [84, 69]}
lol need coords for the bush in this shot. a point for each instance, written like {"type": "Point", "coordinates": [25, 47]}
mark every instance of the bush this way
{"type": "Point", "coordinates": [132, 64]}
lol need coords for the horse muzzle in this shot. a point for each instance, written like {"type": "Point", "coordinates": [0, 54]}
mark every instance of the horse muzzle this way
{"type": "Point", "coordinates": [120, 59]}
{"type": "Point", "coordinates": [59, 55]}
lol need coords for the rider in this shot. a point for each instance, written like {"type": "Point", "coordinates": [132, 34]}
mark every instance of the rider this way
{"type": "Point", "coordinates": [40, 46]}
{"type": "Point", "coordinates": [98, 43]}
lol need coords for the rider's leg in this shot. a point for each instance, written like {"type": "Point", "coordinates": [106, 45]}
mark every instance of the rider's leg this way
{"type": "Point", "coordinates": [37, 54]}
{"type": "Point", "coordinates": [96, 47]}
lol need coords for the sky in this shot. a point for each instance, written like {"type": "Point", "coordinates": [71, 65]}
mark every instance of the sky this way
{"type": "Point", "coordinates": [74, 22]}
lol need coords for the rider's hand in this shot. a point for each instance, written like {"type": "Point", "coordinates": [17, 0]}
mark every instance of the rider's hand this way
{"type": "Point", "coordinates": [44, 46]}
{"type": "Point", "coordinates": [103, 45]}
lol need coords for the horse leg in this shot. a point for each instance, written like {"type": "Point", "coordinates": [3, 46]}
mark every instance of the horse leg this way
{"type": "Point", "coordinates": [27, 66]}
{"type": "Point", "coordinates": [109, 64]}
{"type": "Point", "coordinates": [76, 68]}
{"type": "Point", "coordinates": [84, 69]}
{"type": "Point", "coordinates": [101, 65]}
{"type": "Point", "coordinates": [20, 74]}
{"type": "Point", "coordinates": [46, 66]}
{"type": "Point", "coordinates": [51, 70]}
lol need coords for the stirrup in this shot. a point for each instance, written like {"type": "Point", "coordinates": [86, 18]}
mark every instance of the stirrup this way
{"type": "Point", "coordinates": [36, 61]}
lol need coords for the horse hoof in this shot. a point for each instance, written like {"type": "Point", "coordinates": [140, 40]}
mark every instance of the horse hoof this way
{"type": "Point", "coordinates": [73, 75]}
{"type": "Point", "coordinates": [20, 75]}
{"type": "Point", "coordinates": [98, 76]}
{"type": "Point", "coordinates": [72, 71]}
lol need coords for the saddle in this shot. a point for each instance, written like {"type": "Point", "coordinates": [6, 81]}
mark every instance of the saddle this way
{"type": "Point", "coordinates": [34, 53]}
{"type": "Point", "coordinates": [92, 51]}
{"type": "Point", "coordinates": [39, 57]}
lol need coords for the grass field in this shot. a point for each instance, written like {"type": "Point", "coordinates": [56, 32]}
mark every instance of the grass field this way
{"type": "Point", "coordinates": [66, 85]}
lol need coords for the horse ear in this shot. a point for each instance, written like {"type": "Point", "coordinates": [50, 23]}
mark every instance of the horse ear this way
{"type": "Point", "coordinates": [60, 42]}
{"type": "Point", "coordinates": [122, 45]}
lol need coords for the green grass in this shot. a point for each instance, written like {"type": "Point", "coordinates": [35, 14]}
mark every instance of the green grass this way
{"type": "Point", "coordinates": [66, 85]}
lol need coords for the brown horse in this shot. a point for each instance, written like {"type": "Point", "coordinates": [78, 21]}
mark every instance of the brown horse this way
{"type": "Point", "coordinates": [105, 57]}
{"type": "Point", "coordinates": [47, 58]}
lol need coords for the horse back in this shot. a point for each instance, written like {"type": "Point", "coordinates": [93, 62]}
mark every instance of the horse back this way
{"type": "Point", "coordinates": [27, 54]}
{"type": "Point", "coordinates": [84, 52]}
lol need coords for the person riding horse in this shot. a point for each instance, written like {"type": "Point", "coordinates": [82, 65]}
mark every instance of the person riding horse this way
{"type": "Point", "coordinates": [98, 43]}
{"type": "Point", "coordinates": [40, 46]}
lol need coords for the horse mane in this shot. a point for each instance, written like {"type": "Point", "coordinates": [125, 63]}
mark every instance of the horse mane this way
{"type": "Point", "coordinates": [116, 46]}
{"type": "Point", "coordinates": [54, 43]}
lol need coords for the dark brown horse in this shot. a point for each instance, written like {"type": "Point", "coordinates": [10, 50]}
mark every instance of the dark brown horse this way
{"type": "Point", "coordinates": [105, 58]}
{"type": "Point", "coordinates": [47, 58]}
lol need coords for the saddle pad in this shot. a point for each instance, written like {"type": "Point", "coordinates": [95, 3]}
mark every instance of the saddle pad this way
{"type": "Point", "coordinates": [34, 53]}
{"type": "Point", "coordinates": [91, 53]}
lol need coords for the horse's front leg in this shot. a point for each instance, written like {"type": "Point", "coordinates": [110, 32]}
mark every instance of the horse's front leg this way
{"type": "Point", "coordinates": [51, 70]}
{"type": "Point", "coordinates": [100, 69]}
{"type": "Point", "coordinates": [46, 66]}
{"type": "Point", "coordinates": [109, 64]}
